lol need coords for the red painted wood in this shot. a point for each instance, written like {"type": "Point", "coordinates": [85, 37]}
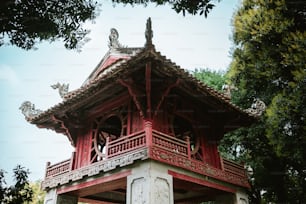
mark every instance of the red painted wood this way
{"type": "Point", "coordinates": [148, 131]}
{"type": "Point", "coordinates": [112, 103]}
{"type": "Point", "coordinates": [133, 92]}
{"type": "Point", "coordinates": [148, 89]}
{"type": "Point", "coordinates": [165, 93]}
{"type": "Point", "coordinates": [82, 152]}
{"type": "Point", "coordinates": [94, 182]}
{"type": "Point", "coordinates": [201, 182]}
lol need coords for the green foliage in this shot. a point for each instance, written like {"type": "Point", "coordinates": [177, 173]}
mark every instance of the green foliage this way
{"type": "Point", "coordinates": [20, 192]}
{"type": "Point", "coordinates": [269, 63]}
{"type": "Point", "coordinates": [38, 193]}
{"type": "Point", "coordinates": [24, 23]}
{"type": "Point", "coordinates": [193, 7]}
{"type": "Point", "coordinates": [214, 79]}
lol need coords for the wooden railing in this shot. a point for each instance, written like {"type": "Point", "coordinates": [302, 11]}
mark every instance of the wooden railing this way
{"type": "Point", "coordinates": [233, 167]}
{"type": "Point", "coordinates": [170, 143]}
{"type": "Point", "coordinates": [164, 148]}
{"type": "Point", "coordinates": [58, 168]}
{"type": "Point", "coordinates": [125, 144]}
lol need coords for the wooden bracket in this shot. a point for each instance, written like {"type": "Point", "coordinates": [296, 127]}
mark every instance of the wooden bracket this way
{"type": "Point", "coordinates": [64, 127]}
{"type": "Point", "coordinates": [134, 93]}
{"type": "Point", "coordinates": [165, 93]}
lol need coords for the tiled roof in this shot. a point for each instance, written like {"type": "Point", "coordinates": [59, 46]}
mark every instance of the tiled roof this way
{"type": "Point", "coordinates": [118, 69]}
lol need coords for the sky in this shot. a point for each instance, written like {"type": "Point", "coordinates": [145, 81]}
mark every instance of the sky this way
{"type": "Point", "coordinates": [190, 41]}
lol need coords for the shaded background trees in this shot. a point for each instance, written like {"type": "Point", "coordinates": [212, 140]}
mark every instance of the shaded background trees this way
{"type": "Point", "coordinates": [20, 192]}
{"type": "Point", "coordinates": [269, 63]}
{"type": "Point", "coordinates": [26, 22]}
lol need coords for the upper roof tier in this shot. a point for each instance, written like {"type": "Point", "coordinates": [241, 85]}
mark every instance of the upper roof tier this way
{"type": "Point", "coordinates": [118, 63]}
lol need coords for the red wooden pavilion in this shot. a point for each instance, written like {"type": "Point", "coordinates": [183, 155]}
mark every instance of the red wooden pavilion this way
{"type": "Point", "coordinates": [144, 131]}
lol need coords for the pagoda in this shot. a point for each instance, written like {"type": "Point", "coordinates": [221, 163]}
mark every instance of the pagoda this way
{"type": "Point", "coordinates": [145, 131]}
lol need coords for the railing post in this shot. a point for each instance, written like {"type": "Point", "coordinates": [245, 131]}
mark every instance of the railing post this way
{"type": "Point", "coordinates": [148, 131]}
{"type": "Point", "coordinates": [222, 163]}
{"type": "Point", "coordinates": [47, 166]}
{"type": "Point", "coordinates": [187, 138]}
{"type": "Point", "coordinates": [108, 139]}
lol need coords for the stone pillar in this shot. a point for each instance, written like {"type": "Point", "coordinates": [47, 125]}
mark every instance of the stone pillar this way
{"type": "Point", "coordinates": [149, 183]}
{"type": "Point", "coordinates": [52, 198]}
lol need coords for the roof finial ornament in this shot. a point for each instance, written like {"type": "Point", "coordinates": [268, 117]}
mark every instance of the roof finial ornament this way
{"type": "Point", "coordinates": [113, 39]}
{"type": "Point", "coordinates": [149, 33]}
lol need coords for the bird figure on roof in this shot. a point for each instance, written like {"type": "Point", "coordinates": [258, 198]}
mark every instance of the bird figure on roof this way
{"type": "Point", "coordinates": [62, 88]}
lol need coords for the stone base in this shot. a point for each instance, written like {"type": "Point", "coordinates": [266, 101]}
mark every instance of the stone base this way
{"type": "Point", "coordinates": [151, 184]}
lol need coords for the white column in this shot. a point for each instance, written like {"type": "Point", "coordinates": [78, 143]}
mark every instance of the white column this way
{"type": "Point", "coordinates": [149, 183]}
{"type": "Point", "coordinates": [52, 198]}
{"type": "Point", "coordinates": [241, 198]}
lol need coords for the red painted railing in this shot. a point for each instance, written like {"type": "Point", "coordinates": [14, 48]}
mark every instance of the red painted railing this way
{"type": "Point", "coordinates": [126, 144]}
{"type": "Point", "coordinates": [233, 168]}
{"type": "Point", "coordinates": [58, 168]}
{"type": "Point", "coordinates": [170, 143]}
{"type": "Point", "coordinates": [165, 148]}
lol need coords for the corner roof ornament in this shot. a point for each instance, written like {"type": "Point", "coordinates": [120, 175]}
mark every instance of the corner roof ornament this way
{"type": "Point", "coordinates": [28, 110]}
{"type": "Point", "coordinates": [257, 108]}
{"type": "Point", "coordinates": [149, 33]}
{"type": "Point", "coordinates": [113, 39]}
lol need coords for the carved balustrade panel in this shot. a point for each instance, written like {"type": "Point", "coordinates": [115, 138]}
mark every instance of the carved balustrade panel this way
{"type": "Point", "coordinates": [126, 144]}
{"type": "Point", "coordinates": [58, 168]}
{"type": "Point", "coordinates": [233, 168]}
{"type": "Point", "coordinates": [169, 143]}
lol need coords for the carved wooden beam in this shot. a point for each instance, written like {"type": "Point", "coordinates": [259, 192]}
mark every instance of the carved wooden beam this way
{"type": "Point", "coordinates": [134, 92]}
{"type": "Point", "coordinates": [64, 127]}
{"type": "Point", "coordinates": [165, 93]}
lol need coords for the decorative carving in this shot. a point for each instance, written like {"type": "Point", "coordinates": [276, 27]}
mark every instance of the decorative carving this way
{"type": "Point", "coordinates": [137, 191]}
{"type": "Point", "coordinates": [227, 90]}
{"type": "Point", "coordinates": [62, 88]}
{"type": "Point", "coordinates": [96, 168]}
{"type": "Point", "coordinates": [113, 39]}
{"type": "Point", "coordinates": [149, 32]}
{"type": "Point", "coordinates": [28, 110]}
{"type": "Point", "coordinates": [162, 194]}
{"type": "Point", "coordinates": [196, 166]}
{"type": "Point", "coordinates": [257, 107]}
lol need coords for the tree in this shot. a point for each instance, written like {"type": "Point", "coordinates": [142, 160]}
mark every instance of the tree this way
{"type": "Point", "coordinates": [18, 193]}
{"type": "Point", "coordinates": [38, 193]}
{"type": "Point", "coordinates": [215, 79]}
{"type": "Point", "coordinates": [25, 22]}
{"type": "Point", "coordinates": [269, 63]}
{"type": "Point", "coordinates": [193, 7]}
